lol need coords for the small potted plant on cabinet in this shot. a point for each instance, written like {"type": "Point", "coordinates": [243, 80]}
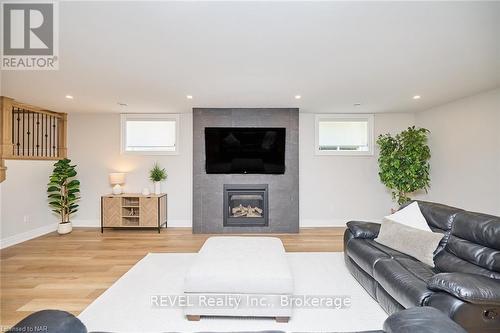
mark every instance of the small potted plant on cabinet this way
{"type": "Point", "coordinates": [157, 175]}
{"type": "Point", "coordinates": [64, 192]}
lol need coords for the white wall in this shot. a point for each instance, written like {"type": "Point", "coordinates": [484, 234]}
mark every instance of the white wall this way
{"type": "Point", "coordinates": [94, 145]}
{"type": "Point", "coordinates": [25, 212]}
{"type": "Point", "coordinates": [335, 189]}
{"type": "Point", "coordinates": [465, 147]}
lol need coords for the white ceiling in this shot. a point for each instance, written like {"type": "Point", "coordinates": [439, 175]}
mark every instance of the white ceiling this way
{"type": "Point", "coordinates": [150, 55]}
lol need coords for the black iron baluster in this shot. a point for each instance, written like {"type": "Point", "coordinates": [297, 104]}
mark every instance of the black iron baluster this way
{"type": "Point", "coordinates": [54, 152]}
{"type": "Point", "coordinates": [56, 131]}
{"type": "Point", "coordinates": [32, 131]}
{"type": "Point", "coordinates": [23, 134]}
{"type": "Point", "coordinates": [46, 152]}
{"type": "Point", "coordinates": [50, 136]}
{"type": "Point", "coordinates": [37, 134]}
{"type": "Point", "coordinates": [28, 133]}
{"type": "Point", "coordinates": [18, 127]}
{"type": "Point", "coordinates": [43, 137]}
{"type": "Point", "coordinates": [12, 122]}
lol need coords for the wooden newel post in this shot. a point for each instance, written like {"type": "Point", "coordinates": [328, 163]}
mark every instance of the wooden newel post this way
{"type": "Point", "coordinates": [6, 145]}
{"type": "Point", "coordinates": [7, 148]}
{"type": "Point", "coordinates": [62, 151]}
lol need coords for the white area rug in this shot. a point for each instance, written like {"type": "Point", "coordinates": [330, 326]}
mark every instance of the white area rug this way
{"type": "Point", "coordinates": [126, 305]}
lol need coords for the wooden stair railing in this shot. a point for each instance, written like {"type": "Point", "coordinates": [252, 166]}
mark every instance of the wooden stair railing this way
{"type": "Point", "coordinates": [30, 133]}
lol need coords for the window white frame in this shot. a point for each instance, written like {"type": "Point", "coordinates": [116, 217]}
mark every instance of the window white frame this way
{"type": "Point", "coordinates": [124, 117]}
{"type": "Point", "coordinates": [344, 117]}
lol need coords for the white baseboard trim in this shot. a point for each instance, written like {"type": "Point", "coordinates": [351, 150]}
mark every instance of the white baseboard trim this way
{"type": "Point", "coordinates": [308, 223]}
{"type": "Point", "coordinates": [27, 235]}
{"type": "Point", "coordinates": [96, 223]}
{"type": "Point", "coordinates": [180, 223]}
{"type": "Point", "coordinates": [315, 223]}
{"type": "Point", "coordinates": [86, 223]}
{"type": "Point", "coordinates": [304, 223]}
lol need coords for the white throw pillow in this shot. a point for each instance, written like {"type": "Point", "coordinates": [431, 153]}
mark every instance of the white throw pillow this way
{"type": "Point", "coordinates": [414, 242]}
{"type": "Point", "coordinates": [410, 216]}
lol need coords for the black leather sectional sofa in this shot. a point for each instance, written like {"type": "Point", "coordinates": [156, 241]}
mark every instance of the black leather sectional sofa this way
{"type": "Point", "coordinates": [465, 282]}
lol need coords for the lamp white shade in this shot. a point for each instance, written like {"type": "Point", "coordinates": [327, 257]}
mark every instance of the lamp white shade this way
{"type": "Point", "coordinates": [117, 178]}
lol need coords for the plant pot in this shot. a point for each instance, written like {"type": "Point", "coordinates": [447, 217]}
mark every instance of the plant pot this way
{"type": "Point", "coordinates": [157, 188]}
{"type": "Point", "coordinates": [64, 228]}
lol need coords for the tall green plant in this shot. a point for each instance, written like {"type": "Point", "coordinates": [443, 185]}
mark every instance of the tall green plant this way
{"type": "Point", "coordinates": [404, 162]}
{"type": "Point", "coordinates": [63, 189]}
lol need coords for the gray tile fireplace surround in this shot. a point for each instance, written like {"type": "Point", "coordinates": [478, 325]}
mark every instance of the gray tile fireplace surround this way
{"type": "Point", "coordinates": [283, 190]}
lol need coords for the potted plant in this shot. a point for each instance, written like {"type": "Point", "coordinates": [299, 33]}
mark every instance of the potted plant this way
{"type": "Point", "coordinates": [63, 192]}
{"type": "Point", "coordinates": [404, 162]}
{"type": "Point", "coordinates": [157, 175]}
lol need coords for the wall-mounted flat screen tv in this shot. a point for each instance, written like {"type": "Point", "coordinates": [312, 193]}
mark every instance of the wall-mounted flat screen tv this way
{"type": "Point", "coordinates": [245, 150]}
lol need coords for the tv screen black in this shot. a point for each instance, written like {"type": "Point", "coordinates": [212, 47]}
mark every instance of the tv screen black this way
{"type": "Point", "coordinates": [245, 150]}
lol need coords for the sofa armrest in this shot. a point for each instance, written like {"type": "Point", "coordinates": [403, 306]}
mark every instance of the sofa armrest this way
{"type": "Point", "coordinates": [367, 230]}
{"type": "Point", "coordinates": [422, 320]}
{"type": "Point", "coordinates": [472, 288]}
{"type": "Point", "coordinates": [53, 321]}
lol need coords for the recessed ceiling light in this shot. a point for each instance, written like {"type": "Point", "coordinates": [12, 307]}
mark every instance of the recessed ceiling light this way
{"type": "Point", "coordinates": [416, 97]}
{"type": "Point", "coordinates": [357, 104]}
{"type": "Point", "coordinates": [298, 97]}
{"type": "Point", "coordinates": [122, 104]}
{"type": "Point", "coordinates": [69, 96]}
{"type": "Point", "coordinates": [189, 96]}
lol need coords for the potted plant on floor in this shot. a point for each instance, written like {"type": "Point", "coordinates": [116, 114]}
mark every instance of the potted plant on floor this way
{"type": "Point", "coordinates": [157, 175]}
{"type": "Point", "coordinates": [63, 192]}
{"type": "Point", "coordinates": [404, 162]}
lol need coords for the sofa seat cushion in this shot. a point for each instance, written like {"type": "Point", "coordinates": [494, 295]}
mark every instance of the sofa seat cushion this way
{"type": "Point", "coordinates": [471, 288]}
{"type": "Point", "coordinates": [390, 251]}
{"type": "Point", "coordinates": [366, 252]}
{"type": "Point", "coordinates": [404, 280]}
{"type": "Point", "coordinates": [417, 268]}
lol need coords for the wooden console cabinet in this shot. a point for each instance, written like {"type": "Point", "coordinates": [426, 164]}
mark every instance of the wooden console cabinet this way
{"type": "Point", "coordinates": [133, 211]}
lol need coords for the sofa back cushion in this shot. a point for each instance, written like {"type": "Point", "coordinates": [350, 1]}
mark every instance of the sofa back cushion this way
{"type": "Point", "coordinates": [478, 228]}
{"type": "Point", "coordinates": [473, 246]}
{"type": "Point", "coordinates": [438, 216]}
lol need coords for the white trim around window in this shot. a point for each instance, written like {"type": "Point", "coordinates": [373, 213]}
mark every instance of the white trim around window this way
{"type": "Point", "coordinates": [361, 143]}
{"type": "Point", "coordinates": [163, 142]}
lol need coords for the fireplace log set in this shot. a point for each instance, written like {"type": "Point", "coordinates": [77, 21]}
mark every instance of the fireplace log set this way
{"type": "Point", "coordinates": [248, 211]}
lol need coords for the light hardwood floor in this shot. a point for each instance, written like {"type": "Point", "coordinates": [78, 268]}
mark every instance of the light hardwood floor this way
{"type": "Point", "coordinates": [69, 272]}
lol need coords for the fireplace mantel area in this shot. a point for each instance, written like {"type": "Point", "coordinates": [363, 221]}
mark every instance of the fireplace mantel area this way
{"type": "Point", "coordinates": [239, 202]}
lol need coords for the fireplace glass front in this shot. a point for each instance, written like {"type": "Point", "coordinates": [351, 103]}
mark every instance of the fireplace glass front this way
{"type": "Point", "coordinates": [245, 205]}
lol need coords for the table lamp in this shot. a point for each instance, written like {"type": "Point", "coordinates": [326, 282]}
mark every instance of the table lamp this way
{"type": "Point", "coordinates": [117, 179]}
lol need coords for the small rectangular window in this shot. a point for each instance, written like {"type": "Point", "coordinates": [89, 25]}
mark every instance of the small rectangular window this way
{"type": "Point", "coordinates": [150, 134]}
{"type": "Point", "coordinates": [344, 134]}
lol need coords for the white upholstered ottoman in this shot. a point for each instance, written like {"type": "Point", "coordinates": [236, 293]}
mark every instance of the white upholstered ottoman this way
{"type": "Point", "coordinates": [239, 276]}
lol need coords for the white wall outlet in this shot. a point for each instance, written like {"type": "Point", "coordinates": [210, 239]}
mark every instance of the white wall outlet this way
{"type": "Point", "coordinates": [27, 218]}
